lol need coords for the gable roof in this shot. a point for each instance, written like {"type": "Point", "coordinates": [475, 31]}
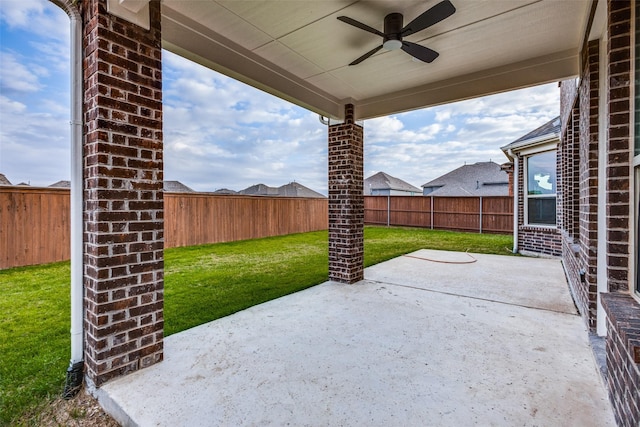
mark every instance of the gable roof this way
{"type": "Point", "coordinates": [176, 187]}
{"type": "Point", "coordinates": [4, 180]}
{"type": "Point", "coordinates": [259, 190]}
{"type": "Point", "coordinates": [61, 184]}
{"type": "Point", "coordinates": [225, 191]}
{"type": "Point", "coordinates": [293, 189]}
{"type": "Point", "coordinates": [478, 179]}
{"type": "Point", "coordinates": [384, 181]}
{"type": "Point", "coordinates": [545, 133]}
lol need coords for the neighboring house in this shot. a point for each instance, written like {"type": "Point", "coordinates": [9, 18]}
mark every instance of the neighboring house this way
{"type": "Point", "coordinates": [259, 190]}
{"type": "Point", "coordinates": [293, 189]}
{"type": "Point", "coordinates": [225, 191]}
{"type": "Point", "coordinates": [176, 187]}
{"type": "Point", "coordinates": [61, 184]}
{"type": "Point", "coordinates": [4, 180]}
{"type": "Point", "coordinates": [382, 184]}
{"type": "Point", "coordinates": [534, 158]}
{"type": "Point", "coordinates": [168, 186]}
{"type": "Point", "coordinates": [478, 179]}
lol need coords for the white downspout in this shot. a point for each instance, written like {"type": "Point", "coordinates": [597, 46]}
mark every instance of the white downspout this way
{"type": "Point", "coordinates": [75, 370]}
{"type": "Point", "coordinates": [515, 200]}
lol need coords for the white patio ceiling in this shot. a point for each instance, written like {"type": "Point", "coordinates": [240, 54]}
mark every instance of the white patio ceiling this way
{"type": "Point", "coordinates": [299, 51]}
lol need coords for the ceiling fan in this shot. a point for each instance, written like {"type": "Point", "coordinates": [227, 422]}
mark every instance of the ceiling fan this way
{"type": "Point", "coordinates": [394, 31]}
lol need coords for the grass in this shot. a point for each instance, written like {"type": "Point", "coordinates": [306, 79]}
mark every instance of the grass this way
{"type": "Point", "coordinates": [206, 282]}
{"type": "Point", "coordinates": [202, 283]}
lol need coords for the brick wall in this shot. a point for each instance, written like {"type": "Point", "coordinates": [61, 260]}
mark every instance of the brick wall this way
{"type": "Point", "coordinates": [123, 207]}
{"type": "Point", "coordinates": [346, 201]}
{"type": "Point", "coordinates": [538, 240]}
{"type": "Point", "coordinates": [623, 311]}
{"type": "Point", "coordinates": [623, 357]}
{"type": "Point", "coordinates": [578, 168]}
{"type": "Point", "coordinates": [618, 156]}
{"type": "Point", "coordinates": [588, 180]}
{"type": "Point", "coordinates": [568, 95]}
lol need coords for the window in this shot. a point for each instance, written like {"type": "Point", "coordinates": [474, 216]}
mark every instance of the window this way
{"type": "Point", "coordinates": [541, 189]}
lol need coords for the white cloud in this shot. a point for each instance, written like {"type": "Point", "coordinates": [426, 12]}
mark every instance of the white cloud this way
{"type": "Point", "coordinates": [220, 133]}
{"type": "Point", "coordinates": [39, 17]}
{"type": "Point", "coordinates": [251, 137]}
{"type": "Point", "coordinates": [464, 132]}
{"type": "Point", "coordinates": [16, 76]}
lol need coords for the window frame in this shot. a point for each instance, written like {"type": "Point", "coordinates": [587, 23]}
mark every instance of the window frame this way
{"type": "Point", "coordinates": [526, 155]}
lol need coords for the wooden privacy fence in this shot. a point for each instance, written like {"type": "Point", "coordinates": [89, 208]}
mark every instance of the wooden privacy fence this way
{"type": "Point", "coordinates": [479, 214]}
{"type": "Point", "coordinates": [197, 218]}
{"type": "Point", "coordinates": [35, 224]}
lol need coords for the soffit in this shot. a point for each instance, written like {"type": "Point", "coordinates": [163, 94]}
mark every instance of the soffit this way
{"type": "Point", "coordinates": [299, 51]}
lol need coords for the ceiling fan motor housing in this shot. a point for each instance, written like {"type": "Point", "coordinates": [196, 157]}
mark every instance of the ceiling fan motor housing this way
{"type": "Point", "coordinates": [392, 29]}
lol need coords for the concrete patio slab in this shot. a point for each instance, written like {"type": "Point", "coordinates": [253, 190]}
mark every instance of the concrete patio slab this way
{"type": "Point", "coordinates": [419, 343]}
{"type": "Point", "coordinates": [512, 280]}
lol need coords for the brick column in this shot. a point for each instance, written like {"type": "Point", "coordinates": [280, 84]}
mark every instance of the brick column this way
{"type": "Point", "coordinates": [123, 206]}
{"type": "Point", "coordinates": [623, 311]}
{"type": "Point", "coordinates": [588, 220]}
{"type": "Point", "coordinates": [346, 200]}
{"type": "Point", "coordinates": [619, 142]}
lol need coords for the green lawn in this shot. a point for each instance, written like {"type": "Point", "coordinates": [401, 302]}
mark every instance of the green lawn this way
{"type": "Point", "coordinates": [202, 283]}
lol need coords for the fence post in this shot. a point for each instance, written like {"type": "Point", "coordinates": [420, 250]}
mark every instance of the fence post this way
{"type": "Point", "coordinates": [388, 209]}
{"type": "Point", "coordinates": [432, 212]}
{"type": "Point", "coordinates": [480, 214]}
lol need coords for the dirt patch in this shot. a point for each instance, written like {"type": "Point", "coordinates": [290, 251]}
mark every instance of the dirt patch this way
{"type": "Point", "coordinates": [81, 411]}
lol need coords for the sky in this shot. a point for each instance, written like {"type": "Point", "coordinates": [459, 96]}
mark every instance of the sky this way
{"type": "Point", "coordinates": [220, 133]}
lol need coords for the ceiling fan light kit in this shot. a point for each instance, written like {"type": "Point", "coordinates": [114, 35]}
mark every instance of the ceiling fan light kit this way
{"type": "Point", "coordinates": [394, 32]}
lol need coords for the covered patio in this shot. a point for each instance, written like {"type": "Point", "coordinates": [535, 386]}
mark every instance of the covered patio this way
{"type": "Point", "coordinates": [327, 57]}
{"type": "Point", "coordinates": [433, 338]}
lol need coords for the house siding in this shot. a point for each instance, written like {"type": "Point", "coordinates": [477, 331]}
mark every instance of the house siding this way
{"type": "Point", "coordinates": [580, 125]}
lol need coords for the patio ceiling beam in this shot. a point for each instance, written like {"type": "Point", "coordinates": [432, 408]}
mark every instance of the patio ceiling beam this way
{"type": "Point", "coordinates": [545, 69]}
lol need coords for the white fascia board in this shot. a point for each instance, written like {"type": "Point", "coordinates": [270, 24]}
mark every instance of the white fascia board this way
{"type": "Point", "coordinates": [538, 147]}
{"type": "Point", "coordinates": [134, 6]}
{"type": "Point", "coordinates": [546, 69]}
{"type": "Point", "coordinates": [134, 11]}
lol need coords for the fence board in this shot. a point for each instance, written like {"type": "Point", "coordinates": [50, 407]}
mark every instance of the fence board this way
{"type": "Point", "coordinates": [34, 222]}
{"type": "Point", "coordinates": [198, 218]}
{"type": "Point", "coordinates": [443, 213]}
{"type": "Point", "coordinates": [34, 225]}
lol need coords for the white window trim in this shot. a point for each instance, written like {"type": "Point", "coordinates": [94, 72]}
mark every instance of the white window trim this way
{"type": "Point", "coordinates": [525, 154]}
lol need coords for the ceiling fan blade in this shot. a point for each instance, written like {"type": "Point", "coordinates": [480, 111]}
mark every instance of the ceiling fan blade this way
{"type": "Point", "coordinates": [422, 53]}
{"type": "Point", "coordinates": [360, 25]}
{"type": "Point", "coordinates": [437, 13]}
{"type": "Point", "coordinates": [366, 55]}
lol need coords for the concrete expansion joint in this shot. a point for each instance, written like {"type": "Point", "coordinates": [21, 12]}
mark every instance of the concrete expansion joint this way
{"type": "Point", "coordinates": [575, 314]}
